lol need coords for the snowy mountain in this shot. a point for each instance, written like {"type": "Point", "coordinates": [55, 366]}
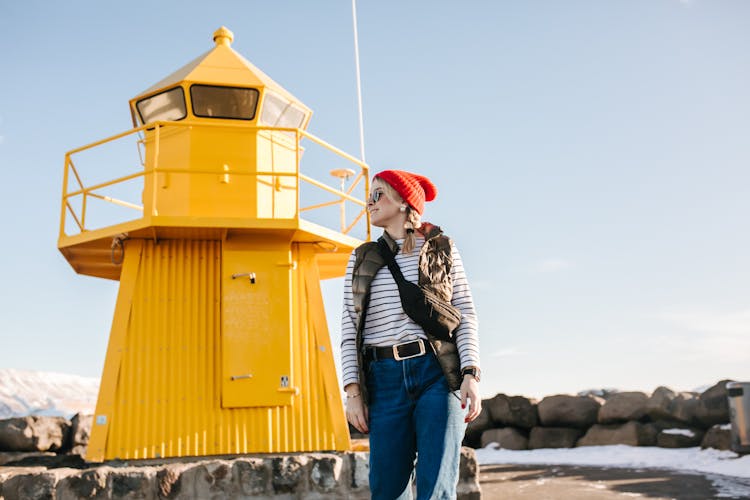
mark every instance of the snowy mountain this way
{"type": "Point", "coordinates": [45, 393]}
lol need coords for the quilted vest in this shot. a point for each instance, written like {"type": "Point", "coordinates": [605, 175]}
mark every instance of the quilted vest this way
{"type": "Point", "coordinates": [435, 263]}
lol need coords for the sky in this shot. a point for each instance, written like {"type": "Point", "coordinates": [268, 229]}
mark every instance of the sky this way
{"type": "Point", "coordinates": [592, 161]}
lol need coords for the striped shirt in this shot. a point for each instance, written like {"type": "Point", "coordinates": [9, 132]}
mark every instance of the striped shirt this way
{"type": "Point", "coordinates": [386, 322]}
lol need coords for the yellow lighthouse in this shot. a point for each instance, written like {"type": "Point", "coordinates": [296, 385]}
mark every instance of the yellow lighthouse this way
{"type": "Point", "coordinates": [219, 342]}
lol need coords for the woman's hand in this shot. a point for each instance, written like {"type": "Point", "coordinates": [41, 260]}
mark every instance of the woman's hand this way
{"type": "Point", "coordinates": [356, 409]}
{"type": "Point", "coordinates": [470, 391]}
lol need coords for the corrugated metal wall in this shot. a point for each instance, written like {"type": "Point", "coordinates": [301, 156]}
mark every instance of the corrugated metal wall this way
{"type": "Point", "coordinates": [167, 397]}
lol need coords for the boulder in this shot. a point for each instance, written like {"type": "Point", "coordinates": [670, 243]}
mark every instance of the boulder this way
{"type": "Point", "coordinates": [568, 411]}
{"type": "Point", "coordinates": [718, 437]}
{"type": "Point", "coordinates": [468, 487]}
{"type": "Point", "coordinates": [34, 433]}
{"type": "Point", "coordinates": [473, 435]}
{"type": "Point", "coordinates": [658, 404]}
{"type": "Point", "coordinates": [512, 411]}
{"type": "Point", "coordinates": [650, 431]}
{"type": "Point", "coordinates": [631, 433]}
{"type": "Point", "coordinates": [684, 407]}
{"type": "Point", "coordinates": [713, 405]}
{"type": "Point", "coordinates": [80, 432]}
{"type": "Point", "coordinates": [49, 460]}
{"type": "Point", "coordinates": [623, 406]}
{"type": "Point", "coordinates": [679, 437]}
{"type": "Point", "coordinates": [553, 437]}
{"type": "Point", "coordinates": [7, 457]}
{"type": "Point", "coordinates": [507, 438]}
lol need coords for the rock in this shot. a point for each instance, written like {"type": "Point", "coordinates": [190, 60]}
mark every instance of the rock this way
{"type": "Point", "coordinates": [718, 437]}
{"type": "Point", "coordinates": [650, 431]}
{"type": "Point", "coordinates": [507, 438]}
{"type": "Point", "coordinates": [631, 433]}
{"type": "Point", "coordinates": [473, 435]}
{"type": "Point", "coordinates": [49, 461]}
{"type": "Point", "coordinates": [684, 407]}
{"type": "Point", "coordinates": [253, 476]}
{"type": "Point", "coordinates": [168, 480]}
{"type": "Point", "coordinates": [80, 431]}
{"type": "Point", "coordinates": [622, 407]}
{"type": "Point", "coordinates": [325, 473]}
{"type": "Point", "coordinates": [681, 437]}
{"type": "Point", "coordinates": [16, 456]}
{"type": "Point", "coordinates": [360, 463]}
{"type": "Point", "coordinates": [512, 411]}
{"type": "Point", "coordinates": [88, 484]}
{"type": "Point", "coordinates": [209, 479]}
{"type": "Point", "coordinates": [568, 411]}
{"type": "Point", "coordinates": [553, 437]}
{"type": "Point", "coordinates": [658, 404]}
{"type": "Point", "coordinates": [33, 433]}
{"type": "Point", "coordinates": [288, 473]}
{"type": "Point", "coordinates": [713, 405]}
{"type": "Point", "coordinates": [468, 472]}
{"type": "Point", "coordinates": [37, 486]}
{"type": "Point", "coordinates": [109, 482]}
{"type": "Point", "coordinates": [131, 483]}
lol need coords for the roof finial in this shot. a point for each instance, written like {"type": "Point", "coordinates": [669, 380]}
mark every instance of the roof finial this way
{"type": "Point", "coordinates": [223, 36]}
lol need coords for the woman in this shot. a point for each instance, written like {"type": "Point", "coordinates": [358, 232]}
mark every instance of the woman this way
{"type": "Point", "coordinates": [406, 388]}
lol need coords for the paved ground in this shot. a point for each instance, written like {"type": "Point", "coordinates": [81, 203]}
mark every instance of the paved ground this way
{"type": "Point", "coordinates": [539, 482]}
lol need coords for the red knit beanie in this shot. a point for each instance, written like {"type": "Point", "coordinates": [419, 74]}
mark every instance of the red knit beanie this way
{"type": "Point", "coordinates": [415, 189]}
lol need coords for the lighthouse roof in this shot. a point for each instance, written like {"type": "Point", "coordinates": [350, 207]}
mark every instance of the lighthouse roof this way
{"type": "Point", "coordinates": [222, 65]}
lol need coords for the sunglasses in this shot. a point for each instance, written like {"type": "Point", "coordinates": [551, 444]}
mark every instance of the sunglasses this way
{"type": "Point", "coordinates": [375, 196]}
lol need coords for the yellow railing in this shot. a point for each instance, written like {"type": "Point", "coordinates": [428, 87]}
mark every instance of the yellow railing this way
{"type": "Point", "coordinates": [94, 190]}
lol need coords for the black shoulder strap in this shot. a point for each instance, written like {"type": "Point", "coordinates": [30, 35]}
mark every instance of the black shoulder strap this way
{"type": "Point", "coordinates": [390, 260]}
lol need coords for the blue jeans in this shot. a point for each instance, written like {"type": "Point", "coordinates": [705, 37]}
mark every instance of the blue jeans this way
{"type": "Point", "coordinates": [413, 414]}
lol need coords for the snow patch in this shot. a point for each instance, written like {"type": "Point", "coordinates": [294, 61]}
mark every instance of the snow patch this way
{"type": "Point", "coordinates": [708, 461]}
{"type": "Point", "coordinates": [680, 432]}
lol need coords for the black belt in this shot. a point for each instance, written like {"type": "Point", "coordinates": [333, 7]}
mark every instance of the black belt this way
{"type": "Point", "coordinates": [398, 352]}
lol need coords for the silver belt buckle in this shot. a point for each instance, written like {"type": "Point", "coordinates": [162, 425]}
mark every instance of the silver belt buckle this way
{"type": "Point", "coordinates": [396, 355]}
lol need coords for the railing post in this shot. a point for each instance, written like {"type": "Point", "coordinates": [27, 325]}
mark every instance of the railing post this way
{"type": "Point", "coordinates": [63, 212]}
{"type": "Point", "coordinates": [83, 211]}
{"type": "Point", "coordinates": [296, 173]}
{"type": "Point", "coordinates": [154, 180]}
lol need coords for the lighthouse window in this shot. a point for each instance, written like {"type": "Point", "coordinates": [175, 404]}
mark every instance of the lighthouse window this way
{"type": "Point", "coordinates": [278, 112]}
{"type": "Point", "coordinates": [223, 102]}
{"type": "Point", "coordinates": [166, 106]}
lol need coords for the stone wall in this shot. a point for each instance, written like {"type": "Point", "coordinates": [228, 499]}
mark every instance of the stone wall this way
{"type": "Point", "coordinates": [289, 476]}
{"type": "Point", "coordinates": [665, 418]}
{"type": "Point", "coordinates": [41, 457]}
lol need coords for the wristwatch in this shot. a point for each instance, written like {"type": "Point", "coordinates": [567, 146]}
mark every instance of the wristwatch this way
{"type": "Point", "coordinates": [472, 370]}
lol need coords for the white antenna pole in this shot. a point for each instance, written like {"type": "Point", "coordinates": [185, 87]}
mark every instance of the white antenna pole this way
{"type": "Point", "coordinates": [359, 84]}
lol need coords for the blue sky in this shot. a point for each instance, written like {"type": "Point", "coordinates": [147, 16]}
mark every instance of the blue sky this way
{"type": "Point", "coordinates": [591, 158]}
